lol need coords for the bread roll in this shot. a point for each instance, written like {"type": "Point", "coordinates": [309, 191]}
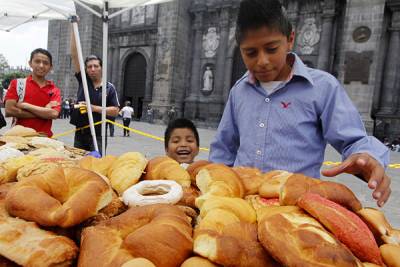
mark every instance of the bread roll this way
{"type": "Point", "coordinates": [390, 254]}
{"type": "Point", "coordinates": [194, 168]}
{"type": "Point", "coordinates": [126, 171]}
{"type": "Point", "coordinates": [272, 183]}
{"type": "Point", "coordinates": [345, 225]}
{"type": "Point", "coordinates": [60, 197]}
{"type": "Point", "coordinates": [26, 244]}
{"type": "Point", "coordinates": [160, 233]}
{"type": "Point", "coordinates": [299, 184]}
{"type": "Point", "coordinates": [138, 262]}
{"type": "Point", "coordinates": [41, 166]}
{"type": "Point", "coordinates": [295, 239]}
{"type": "Point", "coordinates": [198, 262]}
{"type": "Point", "coordinates": [251, 178]}
{"type": "Point", "coordinates": [101, 165]}
{"type": "Point", "coordinates": [19, 130]}
{"type": "Point", "coordinates": [165, 168]}
{"type": "Point", "coordinates": [218, 180]}
{"type": "Point", "coordinates": [10, 167]}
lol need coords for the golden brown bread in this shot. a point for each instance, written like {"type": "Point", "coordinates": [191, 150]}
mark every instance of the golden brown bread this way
{"type": "Point", "coordinates": [299, 184]}
{"type": "Point", "coordinates": [138, 262]}
{"type": "Point", "coordinates": [60, 197]}
{"type": "Point", "coordinates": [236, 246]}
{"type": "Point", "coordinates": [380, 227]}
{"type": "Point", "coordinates": [295, 239]}
{"type": "Point", "coordinates": [98, 165]}
{"type": "Point", "coordinates": [272, 183]}
{"type": "Point", "coordinates": [194, 168]}
{"type": "Point", "coordinates": [390, 254]}
{"type": "Point", "coordinates": [189, 196]}
{"type": "Point", "coordinates": [345, 225]}
{"type": "Point", "coordinates": [198, 262]}
{"type": "Point", "coordinates": [10, 167]}
{"type": "Point", "coordinates": [43, 165]}
{"type": "Point", "coordinates": [126, 171]}
{"type": "Point", "coordinates": [218, 180]}
{"type": "Point", "coordinates": [160, 233]}
{"type": "Point", "coordinates": [251, 178]}
{"type": "Point", "coordinates": [26, 244]}
{"type": "Point", "coordinates": [165, 168]}
{"type": "Point", "coordinates": [19, 130]}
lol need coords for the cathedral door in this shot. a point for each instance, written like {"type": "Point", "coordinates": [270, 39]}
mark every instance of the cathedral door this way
{"type": "Point", "coordinates": [135, 82]}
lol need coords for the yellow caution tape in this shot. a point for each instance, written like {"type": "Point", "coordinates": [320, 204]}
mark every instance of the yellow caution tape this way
{"type": "Point", "coordinates": [326, 163]}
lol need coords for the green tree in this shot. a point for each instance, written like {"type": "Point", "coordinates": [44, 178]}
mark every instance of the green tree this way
{"type": "Point", "coordinates": [3, 63]}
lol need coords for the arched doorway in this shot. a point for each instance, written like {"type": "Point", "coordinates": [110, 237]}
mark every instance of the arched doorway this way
{"type": "Point", "coordinates": [135, 82]}
{"type": "Point", "coordinates": [238, 67]}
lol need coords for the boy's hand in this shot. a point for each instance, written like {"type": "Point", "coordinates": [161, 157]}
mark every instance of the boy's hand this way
{"type": "Point", "coordinates": [52, 104]}
{"type": "Point", "coordinates": [367, 168]}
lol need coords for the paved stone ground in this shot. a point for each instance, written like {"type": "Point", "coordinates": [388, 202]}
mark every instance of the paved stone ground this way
{"type": "Point", "coordinates": [150, 148]}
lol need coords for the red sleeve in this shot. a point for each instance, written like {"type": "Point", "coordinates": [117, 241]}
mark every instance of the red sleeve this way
{"type": "Point", "coordinates": [56, 96]}
{"type": "Point", "coordinates": [12, 91]}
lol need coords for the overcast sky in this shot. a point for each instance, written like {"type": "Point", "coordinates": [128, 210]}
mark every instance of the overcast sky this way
{"type": "Point", "coordinates": [17, 44]}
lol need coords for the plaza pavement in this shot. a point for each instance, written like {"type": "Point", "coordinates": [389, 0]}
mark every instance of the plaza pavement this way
{"type": "Point", "coordinates": [151, 148]}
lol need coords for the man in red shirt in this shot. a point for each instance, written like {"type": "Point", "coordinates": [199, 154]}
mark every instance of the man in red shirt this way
{"type": "Point", "coordinates": [41, 102]}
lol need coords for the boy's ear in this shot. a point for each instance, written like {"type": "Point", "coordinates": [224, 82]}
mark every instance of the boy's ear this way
{"type": "Point", "coordinates": [291, 40]}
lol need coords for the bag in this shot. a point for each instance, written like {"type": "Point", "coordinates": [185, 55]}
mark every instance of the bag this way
{"type": "Point", "coordinates": [21, 86]}
{"type": "Point", "coordinates": [2, 120]}
{"type": "Point", "coordinates": [78, 119]}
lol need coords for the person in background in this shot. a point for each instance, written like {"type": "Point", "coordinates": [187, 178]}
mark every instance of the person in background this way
{"type": "Point", "coordinates": [66, 108]}
{"type": "Point", "coordinates": [181, 140]}
{"type": "Point", "coordinates": [127, 114]}
{"type": "Point", "coordinates": [37, 101]}
{"type": "Point", "coordinates": [93, 69]}
{"type": "Point", "coordinates": [282, 114]}
{"type": "Point", "coordinates": [150, 114]}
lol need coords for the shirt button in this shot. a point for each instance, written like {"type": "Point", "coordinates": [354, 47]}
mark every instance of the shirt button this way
{"type": "Point", "coordinates": [262, 125]}
{"type": "Point", "coordinates": [258, 152]}
{"type": "Point", "coordinates": [267, 100]}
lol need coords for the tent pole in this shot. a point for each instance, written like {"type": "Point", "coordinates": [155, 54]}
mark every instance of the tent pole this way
{"type": "Point", "coordinates": [104, 79]}
{"type": "Point", "coordinates": [84, 82]}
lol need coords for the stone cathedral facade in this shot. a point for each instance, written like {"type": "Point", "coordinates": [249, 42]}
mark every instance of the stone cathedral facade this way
{"type": "Point", "coordinates": [183, 54]}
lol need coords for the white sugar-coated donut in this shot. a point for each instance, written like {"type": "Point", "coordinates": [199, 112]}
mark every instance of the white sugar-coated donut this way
{"type": "Point", "coordinates": [162, 191]}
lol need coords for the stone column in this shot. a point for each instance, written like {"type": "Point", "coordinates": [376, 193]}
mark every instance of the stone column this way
{"type": "Point", "coordinates": [221, 55]}
{"type": "Point", "coordinates": [391, 71]}
{"type": "Point", "coordinates": [115, 72]}
{"type": "Point", "coordinates": [325, 44]}
{"type": "Point", "coordinates": [191, 102]}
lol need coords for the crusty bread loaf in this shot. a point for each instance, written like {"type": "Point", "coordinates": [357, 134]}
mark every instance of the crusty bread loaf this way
{"type": "Point", "coordinates": [10, 167]}
{"type": "Point", "coordinates": [236, 245]}
{"type": "Point", "coordinates": [345, 225]}
{"type": "Point", "coordinates": [299, 184]}
{"type": "Point", "coordinates": [189, 196]}
{"type": "Point", "coordinates": [380, 227]}
{"type": "Point", "coordinates": [26, 244]}
{"type": "Point", "coordinates": [198, 262]}
{"type": "Point", "coordinates": [60, 197]}
{"type": "Point", "coordinates": [390, 254]}
{"type": "Point", "coordinates": [251, 178]}
{"type": "Point", "coordinates": [218, 180]}
{"type": "Point", "coordinates": [165, 168]}
{"type": "Point", "coordinates": [295, 239]}
{"type": "Point", "coordinates": [98, 165]}
{"type": "Point", "coordinates": [272, 183]}
{"type": "Point", "coordinates": [43, 165]}
{"type": "Point", "coordinates": [194, 168]}
{"type": "Point", "coordinates": [138, 262]}
{"type": "Point", "coordinates": [160, 233]}
{"type": "Point", "coordinates": [126, 171]}
{"type": "Point", "coordinates": [19, 130]}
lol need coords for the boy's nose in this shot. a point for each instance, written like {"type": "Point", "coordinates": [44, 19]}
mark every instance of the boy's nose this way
{"type": "Point", "coordinates": [263, 59]}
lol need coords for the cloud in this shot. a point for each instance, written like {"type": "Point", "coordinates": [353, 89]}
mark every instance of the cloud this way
{"type": "Point", "coordinates": [17, 45]}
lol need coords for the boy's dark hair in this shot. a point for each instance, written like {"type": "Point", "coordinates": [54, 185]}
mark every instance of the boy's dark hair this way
{"type": "Point", "coordinates": [93, 57]}
{"type": "Point", "coordinates": [254, 14]}
{"type": "Point", "coordinates": [42, 51]}
{"type": "Point", "coordinates": [178, 124]}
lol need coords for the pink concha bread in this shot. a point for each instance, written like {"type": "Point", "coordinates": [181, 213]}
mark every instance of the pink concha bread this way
{"type": "Point", "coordinates": [345, 225]}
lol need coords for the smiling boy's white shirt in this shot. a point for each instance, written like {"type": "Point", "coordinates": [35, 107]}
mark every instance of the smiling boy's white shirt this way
{"type": "Point", "coordinates": [290, 128]}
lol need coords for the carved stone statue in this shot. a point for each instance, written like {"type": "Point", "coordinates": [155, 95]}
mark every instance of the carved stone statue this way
{"type": "Point", "coordinates": [210, 42]}
{"type": "Point", "coordinates": [309, 36]}
{"type": "Point", "coordinates": [208, 79]}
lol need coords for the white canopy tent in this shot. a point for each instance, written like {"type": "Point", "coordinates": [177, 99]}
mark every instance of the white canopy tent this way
{"type": "Point", "coordinates": [16, 12]}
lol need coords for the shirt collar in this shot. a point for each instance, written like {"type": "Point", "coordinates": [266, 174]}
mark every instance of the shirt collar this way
{"type": "Point", "coordinates": [30, 79]}
{"type": "Point", "coordinates": [298, 69]}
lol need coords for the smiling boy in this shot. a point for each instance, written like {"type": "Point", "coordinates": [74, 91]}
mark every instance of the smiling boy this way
{"type": "Point", "coordinates": [282, 114]}
{"type": "Point", "coordinates": [181, 140]}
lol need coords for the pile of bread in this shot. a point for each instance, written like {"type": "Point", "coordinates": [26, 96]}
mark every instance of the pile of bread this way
{"type": "Point", "coordinates": [71, 212]}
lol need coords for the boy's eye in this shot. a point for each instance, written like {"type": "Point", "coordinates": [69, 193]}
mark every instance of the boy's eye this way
{"type": "Point", "coordinates": [251, 53]}
{"type": "Point", "coordinates": [272, 50]}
